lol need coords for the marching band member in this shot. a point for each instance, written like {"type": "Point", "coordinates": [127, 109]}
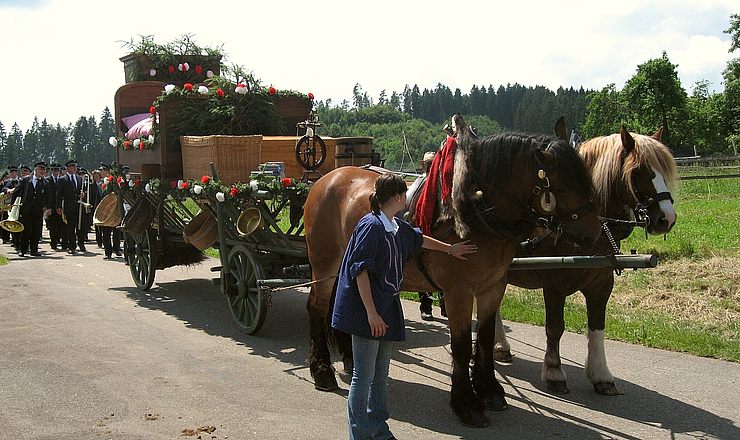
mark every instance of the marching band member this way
{"type": "Point", "coordinates": [69, 196]}
{"type": "Point", "coordinates": [33, 190]}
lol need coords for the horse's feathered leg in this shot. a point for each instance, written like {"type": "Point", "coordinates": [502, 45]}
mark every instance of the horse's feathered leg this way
{"type": "Point", "coordinates": [501, 349]}
{"type": "Point", "coordinates": [485, 383]}
{"type": "Point", "coordinates": [552, 371]}
{"type": "Point", "coordinates": [463, 400]}
{"type": "Point", "coordinates": [597, 370]}
{"type": "Point", "coordinates": [319, 356]}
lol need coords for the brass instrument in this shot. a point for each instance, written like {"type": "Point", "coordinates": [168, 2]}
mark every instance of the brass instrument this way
{"type": "Point", "coordinates": [12, 224]}
{"type": "Point", "coordinates": [84, 193]}
{"type": "Point", "coordinates": [5, 200]}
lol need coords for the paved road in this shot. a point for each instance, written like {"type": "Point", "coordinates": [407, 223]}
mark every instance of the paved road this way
{"type": "Point", "coordinates": [84, 355]}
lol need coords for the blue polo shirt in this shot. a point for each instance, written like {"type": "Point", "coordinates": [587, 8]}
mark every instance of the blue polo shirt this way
{"type": "Point", "coordinates": [381, 247]}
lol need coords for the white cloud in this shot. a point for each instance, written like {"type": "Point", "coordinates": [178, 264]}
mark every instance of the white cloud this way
{"type": "Point", "coordinates": [63, 55]}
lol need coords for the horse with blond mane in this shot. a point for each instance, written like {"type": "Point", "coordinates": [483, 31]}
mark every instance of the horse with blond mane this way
{"type": "Point", "coordinates": [502, 185]}
{"type": "Point", "coordinates": [633, 176]}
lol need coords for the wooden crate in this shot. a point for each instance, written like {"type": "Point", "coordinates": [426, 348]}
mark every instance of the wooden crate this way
{"type": "Point", "coordinates": [282, 149]}
{"type": "Point", "coordinates": [235, 157]}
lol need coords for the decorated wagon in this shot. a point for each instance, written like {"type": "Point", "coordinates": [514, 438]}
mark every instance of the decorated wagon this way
{"type": "Point", "coordinates": [203, 161]}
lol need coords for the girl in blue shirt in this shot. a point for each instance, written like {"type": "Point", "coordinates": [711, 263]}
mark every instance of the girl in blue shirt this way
{"type": "Point", "coordinates": [368, 306]}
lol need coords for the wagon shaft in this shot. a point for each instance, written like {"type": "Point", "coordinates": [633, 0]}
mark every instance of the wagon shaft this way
{"type": "Point", "coordinates": [634, 261]}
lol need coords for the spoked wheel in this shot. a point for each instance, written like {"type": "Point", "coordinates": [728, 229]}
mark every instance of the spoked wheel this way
{"type": "Point", "coordinates": [310, 152]}
{"type": "Point", "coordinates": [141, 257]}
{"type": "Point", "coordinates": [247, 301]}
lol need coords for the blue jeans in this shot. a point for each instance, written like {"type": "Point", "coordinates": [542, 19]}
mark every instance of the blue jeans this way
{"type": "Point", "coordinates": [367, 406]}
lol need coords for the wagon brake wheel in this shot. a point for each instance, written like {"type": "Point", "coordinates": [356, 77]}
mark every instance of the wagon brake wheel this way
{"type": "Point", "coordinates": [310, 152]}
{"type": "Point", "coordinates": [247, 300]}
{"type": "Point", "coordinates": [141, 257]}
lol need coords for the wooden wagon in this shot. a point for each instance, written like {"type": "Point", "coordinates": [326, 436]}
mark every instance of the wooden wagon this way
{"type": "Point", "coordinates": [189, 193]}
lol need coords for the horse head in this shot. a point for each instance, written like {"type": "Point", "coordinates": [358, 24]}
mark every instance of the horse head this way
{"type": "Point", "coordinates": [508, 183]}
{"type": "Point", "coordinates": [633, 178]}
{"type": "Point", "coordinates": [649, 171]}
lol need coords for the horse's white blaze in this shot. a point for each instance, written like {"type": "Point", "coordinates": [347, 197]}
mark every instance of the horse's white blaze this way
{"type": "Point", "coordinates": [665, 205]}
{"type": "Point", "coordinates": [596, 369]}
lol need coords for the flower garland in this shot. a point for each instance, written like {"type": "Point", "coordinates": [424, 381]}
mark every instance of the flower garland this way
{"type": "Point", "coordinates": [263, 186]}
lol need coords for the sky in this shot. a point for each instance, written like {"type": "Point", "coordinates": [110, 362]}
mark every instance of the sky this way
{"type": "Point", "coordinates": [61, 57]}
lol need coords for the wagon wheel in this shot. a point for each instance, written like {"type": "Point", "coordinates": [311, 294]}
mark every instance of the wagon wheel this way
{"type": "Point", "coordinates": [310, 152]}
{"type": "Point", "coordinates": [247, 301]}
{"type": "Point", "coordinates": [141, 257]}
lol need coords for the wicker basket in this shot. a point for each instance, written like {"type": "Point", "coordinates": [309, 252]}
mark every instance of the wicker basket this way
{"type": "Point", "coordinates": [235, 157]}
{"type": "Point", "coordinates": [202, 231]}
{"type": "Point", "coordinates": [107, 213]}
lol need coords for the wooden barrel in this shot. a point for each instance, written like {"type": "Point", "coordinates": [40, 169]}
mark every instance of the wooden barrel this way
{"type": "Point", "coordinates": [355, 151]}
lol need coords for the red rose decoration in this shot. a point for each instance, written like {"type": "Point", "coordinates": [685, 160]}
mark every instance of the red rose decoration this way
{"type": "Point", "coordinates": [142, 145]}
{"type": "Point", "coordinates": [188, 87]}
{"type": "Point", "coordinates": [205, 179]}
{"type": "Point", "coordinates": [272, 90]}
{"type": "Point", "coordinates": [152, 109]}
{"type": "Point", "coordinates": [126, 145]}
{"type": "Point", "coordinates": [137, 182]}
{"type": "Point", "coordinates": [198, 69]}
{"type": "Point", "coordinates": [102, 186]}
{"type": "Point", "coordinates": [310, 96]}
{"type": "Point", "coordinates": [171, 69]}
{"type": "Point", "coordinates": [185, 185]}
{"type": "Point", "coordinates": [233, 191]}
{"type": "Point", "coordinates": [173, 184]}
{"type": "Point", "coordinates": [286, 181]}
{"type": "Point", "coordinates": [220, 92]}
{"type": "Point", "coordinates": [119, 179]}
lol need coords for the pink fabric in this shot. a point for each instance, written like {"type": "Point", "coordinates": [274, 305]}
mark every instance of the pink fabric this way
{"type": "Point", "coordinates": [141, 128]}
{"type": "Point", "coordinates": [130, 121]}
{"type": "Point", "coordinates": [444, 161]}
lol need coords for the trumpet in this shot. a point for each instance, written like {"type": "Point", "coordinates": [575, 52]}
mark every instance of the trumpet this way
{"type": "Point", "coordinates": [84, 204]}
{"type": "Point", "coordinates": [12, 224]}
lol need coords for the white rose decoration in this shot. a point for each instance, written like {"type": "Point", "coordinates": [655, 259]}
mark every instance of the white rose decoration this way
{"type": "Point", "coordinates": [203, 90]}
{"type": "Point", "coordinates": [220, 196]}
{"type": "Point", "coordinates": [169, 88]}
{"type": "Point", "coordinates": [113, 141]}
{"type": "Point", "coordinates": [131, 183]}
{"type": "Point", "coordinates": [148, 188]}
{"type": "Point", "coordinates": [209, 74]}
{"type": "Point", "coordinates": [152, 72]}
{"type": "Point", "coordinates": [179, 183]}
{"type": "Point", "coordinates": [137, 142]}
{"type": "Point", "coordinates": [197, 189]}
{"type": "Point", "coordinates": [254, 185]}
{"type": "Point", "coordinates": [151, 138]}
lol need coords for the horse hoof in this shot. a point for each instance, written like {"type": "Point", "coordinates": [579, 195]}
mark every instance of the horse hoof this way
{"type": "Point", "coordinates": [474, 419]}
{"type": "Point", "coordinates": [503, 356]}
{"type": "Point", "coordinates": [496, 403]}
{"type": "Point", "coordinates": [606, 388]}
{"type": "Point", "coordinates": [325, 381]}
{"type": "Point", "coordinates": [348, 366]}
{"type": "Point", "coordinates": [557, 386]}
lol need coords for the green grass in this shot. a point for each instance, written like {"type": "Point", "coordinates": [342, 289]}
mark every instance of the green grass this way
{"type": "Point", "coordinates": [633, 325]}
{"type": "Point", "coordinates": [3, 260]}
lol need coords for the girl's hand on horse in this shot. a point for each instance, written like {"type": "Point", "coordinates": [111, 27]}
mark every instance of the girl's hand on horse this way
{"type": "Point", "coordinates": [457, 250]}
{"type": "Point", "coordinates": [378, 327]}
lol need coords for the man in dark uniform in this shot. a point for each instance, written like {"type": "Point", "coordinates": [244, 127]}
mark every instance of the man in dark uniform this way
{"type": "Point", "coordinates": [69, 196]}
{"type": "Point", "coordinates": [33, 191]}
{"type": "Point", "coordinates": [7, 188]}
{"type": "Point", "coordinates": [90, 202]}
{"type": "Point", "coordinates": [54, 222]}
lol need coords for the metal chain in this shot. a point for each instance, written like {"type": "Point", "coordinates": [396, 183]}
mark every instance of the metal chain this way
{"type": "Point", "coordinates": [613, 242]}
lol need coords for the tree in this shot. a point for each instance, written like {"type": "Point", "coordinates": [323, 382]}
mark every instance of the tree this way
{"type": "Point", "coordinates": [14, 145]}
{"type": "Point", "coordinates": [605, 113]}
{"type": "Point", "coordinates": [705, 125]}
{"type": "Point", "coordinates": [734, 32]}
{"type": "Point", "coordinates": [655, 98]}
{"type": "Point", "coordinates": [3, 145]}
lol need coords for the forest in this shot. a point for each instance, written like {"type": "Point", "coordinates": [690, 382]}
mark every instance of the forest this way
{"type": "Point", "coordinates": [407, 123]}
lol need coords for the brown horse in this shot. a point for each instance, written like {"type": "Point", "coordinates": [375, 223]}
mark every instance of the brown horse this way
{"type": "Point", "coordinates": [504, 184]}
{"type": "Point", "coordinates": [632, 175]}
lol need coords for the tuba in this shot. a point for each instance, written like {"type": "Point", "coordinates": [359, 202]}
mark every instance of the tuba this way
{"type": "Point", "coordinates": [12, 224]}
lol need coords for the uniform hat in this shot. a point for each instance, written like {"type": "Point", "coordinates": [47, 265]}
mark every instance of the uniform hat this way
{"type": "Point", "coordinates": [12, 167]}
{"type": "Point", "coordinates": [25, 167]}
{"type": "Point", "coordinates": [104, 166]}
{"type": "Point", "coordinates": [71, 163]}
{"type": "Point", "coordinates": [40, 164]}
{"type": "Point", "coordinates": [81, 171]}
{"type": "Point", "coordinates": [428, 156]}
{"type": "Point", "coordinates": [55, 166]}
